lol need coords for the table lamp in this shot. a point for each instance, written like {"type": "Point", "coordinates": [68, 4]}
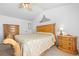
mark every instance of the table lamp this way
{"type": "Point", "coordinates": [61, 30]}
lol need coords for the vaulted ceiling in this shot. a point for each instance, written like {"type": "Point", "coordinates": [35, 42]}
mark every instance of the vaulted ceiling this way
{"type": "Point", "coordinates": [13, 10]}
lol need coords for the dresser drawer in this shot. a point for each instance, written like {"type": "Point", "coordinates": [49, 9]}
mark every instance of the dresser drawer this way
{"type": "Point", "coordinates": [70, 39]}
{"type": "Point", "coordinates": [70, 43]}
{"type": "Point", "coordinates": [70, 48]}
{"type": "Point", "coordinates": [59, 37]}
{"type": "Point", "coordinates": [65, 38]}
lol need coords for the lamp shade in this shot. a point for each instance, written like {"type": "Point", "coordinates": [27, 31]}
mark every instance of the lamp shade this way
{"type": "Point", "coordinates": [61, 28]}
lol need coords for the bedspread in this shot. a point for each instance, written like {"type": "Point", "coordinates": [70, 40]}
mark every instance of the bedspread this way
{"type": "Point", "coordinates": [35, 43]}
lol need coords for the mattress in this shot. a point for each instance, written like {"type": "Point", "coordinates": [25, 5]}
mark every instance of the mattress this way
{"type": "Point", "coordinates": [35, 43]}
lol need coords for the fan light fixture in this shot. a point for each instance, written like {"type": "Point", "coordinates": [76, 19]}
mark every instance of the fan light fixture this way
{"type": "Point", "coordinates": [26, 6]}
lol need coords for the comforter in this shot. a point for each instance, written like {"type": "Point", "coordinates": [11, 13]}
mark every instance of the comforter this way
{"type": "Point", "coordinates": [34, 44]}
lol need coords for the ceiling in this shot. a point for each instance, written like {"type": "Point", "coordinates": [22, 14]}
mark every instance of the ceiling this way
{"type": "Point", "coordinates": [46, 6]}
{"type": "Point", "coordinates": [13, 10]}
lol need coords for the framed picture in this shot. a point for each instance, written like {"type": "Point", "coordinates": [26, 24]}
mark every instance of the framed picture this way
{"type": "Point", "coordinates": [29, 26]}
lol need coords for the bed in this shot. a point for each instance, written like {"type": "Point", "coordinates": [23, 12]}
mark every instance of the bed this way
{"type": "Point", "coordinates": [33, 44]}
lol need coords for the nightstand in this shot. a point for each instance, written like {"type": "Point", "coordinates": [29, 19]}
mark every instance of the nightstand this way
{"type": "Point", "coordinates": [67, 43]}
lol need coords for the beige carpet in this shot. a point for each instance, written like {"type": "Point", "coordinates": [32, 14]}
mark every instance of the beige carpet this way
{"type": "Point", "coordinates": [54, 51]}
{"type": "Point", "coordinates": [5, 50]}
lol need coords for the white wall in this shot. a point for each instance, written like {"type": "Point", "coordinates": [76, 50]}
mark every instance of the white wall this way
{"type": "Point", "coordinates": [68, 16]}
{"type": "Point", "coordinates": [9, 20]}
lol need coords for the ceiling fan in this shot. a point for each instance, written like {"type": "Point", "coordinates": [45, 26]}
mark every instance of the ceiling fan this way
{"type": "Point", "coordinates": [26, 6]}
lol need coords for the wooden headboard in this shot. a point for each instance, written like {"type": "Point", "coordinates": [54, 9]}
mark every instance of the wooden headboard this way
{"type": "Point", "coordinates": [10, 29]}
{"type": "Point", "coordinates": [50, 28]}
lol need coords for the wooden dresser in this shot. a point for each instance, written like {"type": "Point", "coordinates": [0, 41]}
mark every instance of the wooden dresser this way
{"type": "Point", "coordinates": [67, 43]}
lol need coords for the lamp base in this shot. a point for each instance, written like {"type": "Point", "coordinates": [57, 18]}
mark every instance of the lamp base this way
{"type": "Point", "coordinates": [61, 33]}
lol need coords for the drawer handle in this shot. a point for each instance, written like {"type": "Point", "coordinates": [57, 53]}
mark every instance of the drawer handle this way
{"type": "Point", "coordinates": [69, 43]}
{"type": "Point", "coordinates": [69, 48]}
